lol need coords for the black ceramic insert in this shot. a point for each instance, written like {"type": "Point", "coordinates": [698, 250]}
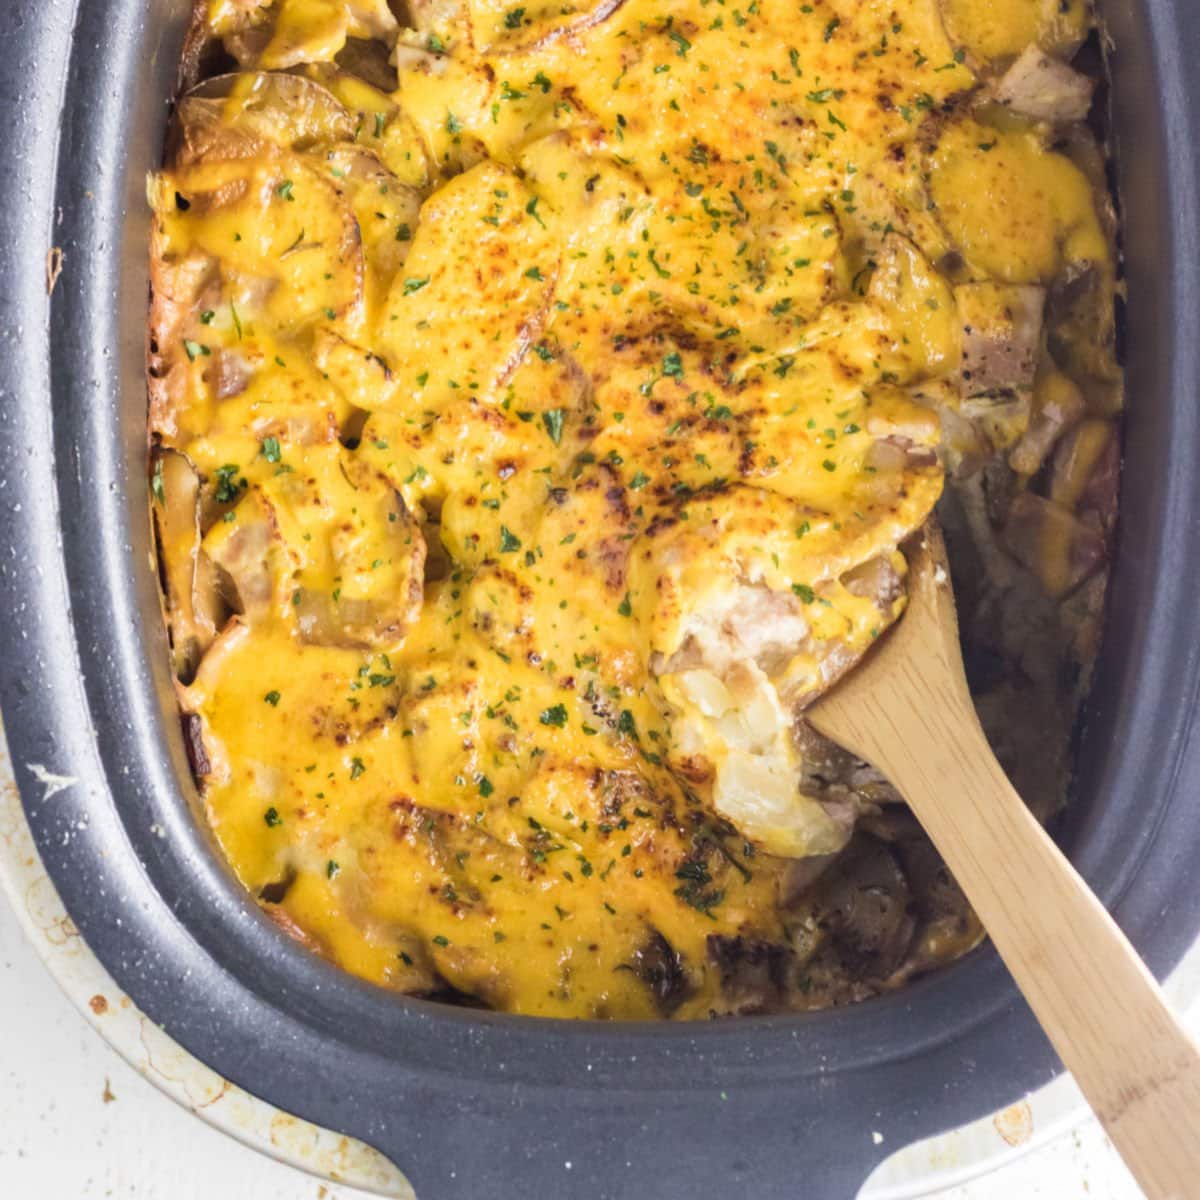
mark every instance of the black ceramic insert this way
{"type": "Point", "coordinates": [474, 1104]}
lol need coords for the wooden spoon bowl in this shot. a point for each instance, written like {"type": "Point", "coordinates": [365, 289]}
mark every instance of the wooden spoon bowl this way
{"type": "Point", "coordinates": [906, 710]}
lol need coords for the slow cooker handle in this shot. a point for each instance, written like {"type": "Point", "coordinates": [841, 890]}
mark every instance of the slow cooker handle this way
{"type": "Point", "coordinates": [454, 1143]}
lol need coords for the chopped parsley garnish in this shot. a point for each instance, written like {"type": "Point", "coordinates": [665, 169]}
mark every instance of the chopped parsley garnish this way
{"type": "Point", "coordinates": [508, 540]}
{"type": "Point", "coordinates": [694, 889]}
{"type": "Point", "coordinates": [556, 716]}
{"type": "Point", "coordinates": [270, 449]}
{"type": "Point", "coordinates": [228, 485]}
{"type": "Point", "coordinates": [272, 698]}
{"type": "Point", "coordinates": [553, 420]}
{"type": "Point", "coordinates": [272, 817]}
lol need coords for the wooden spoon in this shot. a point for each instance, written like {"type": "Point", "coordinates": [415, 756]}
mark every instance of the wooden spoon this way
{"type": "Point", "coordinates": [906, 709]}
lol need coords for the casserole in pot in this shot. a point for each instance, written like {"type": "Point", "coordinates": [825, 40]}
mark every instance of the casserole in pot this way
{"type": "Point", "coordinates": [460, 1098]}
{"type": "Point", "coordinates": [537, 408]}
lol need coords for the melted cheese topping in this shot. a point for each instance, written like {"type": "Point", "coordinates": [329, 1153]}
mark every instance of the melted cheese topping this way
{"type": "Point", "coordinates": [551, 423]}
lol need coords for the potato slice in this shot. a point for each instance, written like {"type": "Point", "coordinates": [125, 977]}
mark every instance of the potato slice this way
{"type": "Point", "coordinates": [254, 558]}
{"type": "Point", "coordinates": [739, 722]}
{"type": "Point", "coordinates": [1017, 212]}
{"type": "Point", "coordinates": [327, 546]}
{"type": "Point", "coordinates": [919, 305]}
{"type": "Point", "coordinates": [316, 30]}
{"type": "Point", "coordinates": [385, 208]}
{"type": "Point", "coordinates": [194, 607]}
{"type": "Point", "coordinates": [360, 553]}
{"type": "Point", "coordinates": [1061, 550]}
{"type": "Point", "coordinates": [274, 221]}
{"type": "Point", "coordinates": [738, 643]}
{"type": "Point", "coordinates": [1058, 403]}
{"type": "Point", "coordinates": [249, 113]}
{"type": "Point", "coordinates": [500, 27]}
{"type": "Point", "coordinates": [378, 123]}
{"type": "Point", "coordinates": [182, 286]}
{"type": "Point", "coordinates": [481, 236]}
{"type": "Point", "coordinates": [1001, 29]}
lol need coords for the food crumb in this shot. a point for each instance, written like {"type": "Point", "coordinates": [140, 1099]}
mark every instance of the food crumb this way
{"type": "Point", "coordinates": [98, 1004]}
{"type": "Point", "coordinates": [107, 1095]}
{"type": "Point", "coordinates": [1015, 1124]}
{"type": "Point", "coordinates": [54, 264]}
{"type": "Point", "coordinates": [877, 1137]}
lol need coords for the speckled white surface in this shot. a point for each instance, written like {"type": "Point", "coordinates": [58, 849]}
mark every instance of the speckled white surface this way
{"type": "Point", "coordinates": [78, 1121]}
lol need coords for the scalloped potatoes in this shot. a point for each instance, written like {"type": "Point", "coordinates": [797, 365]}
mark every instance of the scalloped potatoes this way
{"type": "Point", "coordinates": [540, 398]}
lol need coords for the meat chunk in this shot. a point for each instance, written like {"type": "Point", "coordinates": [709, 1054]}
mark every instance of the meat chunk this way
{"type": "Point", "coordinates": [1045, 88]}
{"type": "Point", "coordinates": [753, 972]}
{"type": "Point", "coordinates": [659, 966]}
{"type": "Point", "coordinates": [1057, 547]}
{"type": "Point", "coordinates": [865, 905]}
{"type": "Point", "coordinates": [946, 927]}
{"type": "Point", "coordinates": [1002, 330]}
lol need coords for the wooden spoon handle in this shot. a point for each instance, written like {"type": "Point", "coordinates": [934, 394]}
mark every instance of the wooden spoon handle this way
{"type": "Point", "coordinates": [1099, 1005]}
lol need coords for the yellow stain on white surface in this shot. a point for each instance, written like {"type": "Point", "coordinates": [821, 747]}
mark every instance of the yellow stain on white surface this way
{"type": "Point", "coordinates": [1015, 1123]}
